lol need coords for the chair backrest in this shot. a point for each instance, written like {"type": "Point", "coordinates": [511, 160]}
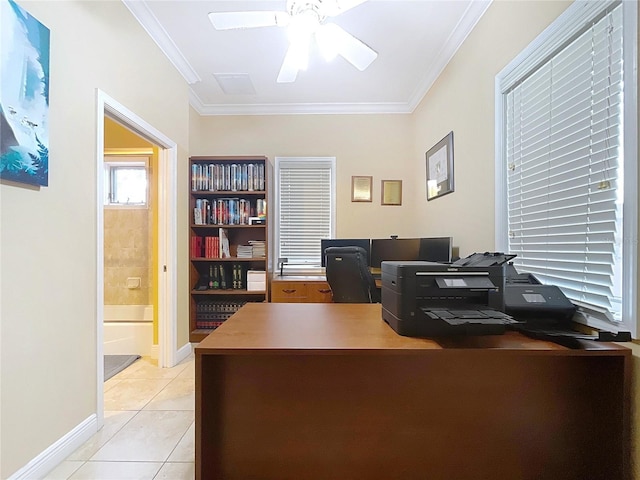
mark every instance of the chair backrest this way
{"type": "Point", "coordinates": [348, 275]}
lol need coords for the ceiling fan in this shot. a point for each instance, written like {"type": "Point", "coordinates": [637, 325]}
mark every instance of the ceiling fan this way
{"type": "Point", "coordinates": [304, 19]}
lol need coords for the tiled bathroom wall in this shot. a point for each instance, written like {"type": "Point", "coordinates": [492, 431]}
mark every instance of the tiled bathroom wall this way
{"type": "Point", "coordinates": [127, 256]}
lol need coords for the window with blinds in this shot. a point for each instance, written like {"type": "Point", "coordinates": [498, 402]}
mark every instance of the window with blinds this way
{"type": "Point", "coordinates": [563, 153]}
{"type": "Point", "coordinates": [305, 198]}
{"type": "Point", "coordinates": [126, 181]}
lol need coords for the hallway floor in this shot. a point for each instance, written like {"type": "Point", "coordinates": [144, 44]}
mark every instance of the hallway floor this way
{"type": "Point", "coordinates": [148, 431]}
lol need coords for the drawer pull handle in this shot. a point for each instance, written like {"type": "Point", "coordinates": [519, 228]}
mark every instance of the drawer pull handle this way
{"type": "Point", "coordinates": [325, 290]}
{"type": "Point", "coordinates": [289, 290]}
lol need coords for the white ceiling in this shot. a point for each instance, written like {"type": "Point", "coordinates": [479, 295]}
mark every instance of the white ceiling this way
{"type": "Point", "coordinates": [415, 39]}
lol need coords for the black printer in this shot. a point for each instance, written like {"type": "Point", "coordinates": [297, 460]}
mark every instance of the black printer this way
{"type": "Point", "coordinates": [544, 312]}
{"type": "Point", "coordinates": [528, 300]}
{"type": "Point", "coordinates": [434, 299]}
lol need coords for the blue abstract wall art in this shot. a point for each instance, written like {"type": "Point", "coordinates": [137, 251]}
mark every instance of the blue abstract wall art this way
{"type": "Point", "coordinates": [24, 96]}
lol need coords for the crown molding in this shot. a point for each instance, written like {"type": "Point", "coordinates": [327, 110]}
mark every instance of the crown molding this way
{"type": "Point", "coordinates": [567, 25]}
{"type": "Point", "coordinates": [470, 18]}
{"type": "Point", "coordinates": [297, 108]}
{"type": "Point", "coordinates": [141, 11]}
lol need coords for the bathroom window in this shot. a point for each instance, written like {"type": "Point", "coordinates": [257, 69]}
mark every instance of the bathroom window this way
{"type": "Point", "coordinates": [126, 182]}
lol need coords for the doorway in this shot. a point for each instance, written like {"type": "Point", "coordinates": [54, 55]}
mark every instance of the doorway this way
{"type": "Point", "coordinates": [130, 243]}
{"type": "Point", "coordinates": [165, 275]}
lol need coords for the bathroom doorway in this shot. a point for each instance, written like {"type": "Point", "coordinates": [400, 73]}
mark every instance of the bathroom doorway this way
{"type": "Point", "coordinates": [165, 266]}
{"type": "Point", "coordinates": [130, 243]}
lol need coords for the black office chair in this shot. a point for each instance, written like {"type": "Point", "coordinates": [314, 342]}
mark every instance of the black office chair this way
{"type": "Point", "coordinates": [349, 277]}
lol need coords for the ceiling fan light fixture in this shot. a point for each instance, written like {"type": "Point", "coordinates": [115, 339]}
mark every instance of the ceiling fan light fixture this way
{"type": "Point", "coordinates": [326, 43]}
{"type": "Point", "coordinates": [300, 53]}
{"type": "Point", "coordinates": [295, 60]}
{"type": "Point", "coordinates": [303, 26]}
{"type": "Point", "coordinates": [305, 19]}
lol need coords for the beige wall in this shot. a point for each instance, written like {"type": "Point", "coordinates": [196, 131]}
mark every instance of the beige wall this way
{"type": "Point", "coordinates": [372, 145]}
{"type": "Point", "coordinates": [48, 236]}
{"type": "Point", "coordinates": [48, 257]}
{"type": "Point", "coordinates": [393, 147]}
{"type": "Point", "coordinates": [462, 100]}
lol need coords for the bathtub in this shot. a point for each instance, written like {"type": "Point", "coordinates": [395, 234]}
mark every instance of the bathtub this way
{"type": "Point", "coordinates": [128, 329]}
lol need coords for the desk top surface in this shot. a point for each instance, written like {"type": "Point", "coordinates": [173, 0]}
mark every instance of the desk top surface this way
{"type": "Point", "coordinates": [334, 328]}
{"type": "Point", "coordinates": [319, 277]}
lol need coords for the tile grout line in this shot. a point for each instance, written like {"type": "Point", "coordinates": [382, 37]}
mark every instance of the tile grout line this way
{"type": "Point", "coordinates": [82, 463]}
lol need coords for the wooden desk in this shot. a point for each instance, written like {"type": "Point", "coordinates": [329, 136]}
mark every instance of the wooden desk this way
{"type": "Point", "coordinates": [329, 391]}
{"type": "Point", "coordinates": [300, 289]}
{"type": "Point", "coordinates": [303, 289]}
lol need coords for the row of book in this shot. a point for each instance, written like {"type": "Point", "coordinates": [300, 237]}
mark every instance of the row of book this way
{"type": "Point", "coordinates": [211, 314]}
{"type": "Point", "coordinates": [211, 246]}
{"type": "Point", "coordinates": [255, 249]}
{"type": "Point", "coordinates": [227, 177]}
{"type": "Point", "coordinates": [228, 211]}
{"type": "Point", "coordinates": [224, 277]}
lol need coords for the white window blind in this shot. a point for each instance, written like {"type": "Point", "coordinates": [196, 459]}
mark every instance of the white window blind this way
{"type": "Point", "coordinates": [563, 134]}
{"type": "Point", "coordinates": [305, 202]}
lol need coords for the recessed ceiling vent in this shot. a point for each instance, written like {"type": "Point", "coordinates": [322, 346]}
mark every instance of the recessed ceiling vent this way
{"type": "Point", "coordinates": [235, 83]}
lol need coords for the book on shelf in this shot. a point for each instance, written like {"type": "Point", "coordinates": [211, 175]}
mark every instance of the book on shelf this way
{"type": "Point", "coordinates": [238, 276]}
{"type": "Point", "coordinates": [223, 277]}
{"type": "Point", "coordinates": [196, 247]}
{"type": "Point", "coordinates": [258, 248]}
{"type": "Point", "coordinates": [212, 249]}
{"type": "Point", "coordinates": [230, 177]}
{"type": "Point", "coordinates": [197, 216]}
{"type": "Point", "coordinates": [211, 314]}
{"type": "Point", "coordinates": [244, 251]}
{"type": "Point", "coordinates": [216, 278]}
{"type": "Point", "coordinates": [261, 208]}
{"type": "Point", "coordinates": [205, 247]}
{"type": "Point", "coordinates": [210, 283]}
{"type": "Point", "coordinates": [256, 280]}
{"type": "Point", "coordinates": [224, 211]}
{"type": "Point", "coordinates": [223, 236]}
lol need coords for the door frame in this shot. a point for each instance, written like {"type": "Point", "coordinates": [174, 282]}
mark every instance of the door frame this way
{"type": "Point", "coordinates": [167, 236]}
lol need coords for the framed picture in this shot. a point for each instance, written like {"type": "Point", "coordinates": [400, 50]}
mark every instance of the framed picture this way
{"type": "Point", "coordinates": [361, 189]}
{"type": "Point", "coordinates": [24, 98]}
{"type": "Point", "coordinates": [391, 192]}
{"type": "Point", "coordinates": [440, 168]}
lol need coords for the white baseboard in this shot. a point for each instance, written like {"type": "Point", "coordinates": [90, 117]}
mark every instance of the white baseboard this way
{"type": "Point", "coordinates": [183, 352]}
{"type": "Point", "coordinates": [155, 351]}
{"type": "Point", "coordinates": [49, 459]}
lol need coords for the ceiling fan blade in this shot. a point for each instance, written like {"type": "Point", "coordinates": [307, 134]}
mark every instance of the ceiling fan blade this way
{"type": "Point", "coordinates": [229, 20]}
{"type": "Point", "coordinates": [331, 8]}
{"type": "Point", "coordinates": [348, 46]}
{"type": "Point", "coordinates": [290, 65]}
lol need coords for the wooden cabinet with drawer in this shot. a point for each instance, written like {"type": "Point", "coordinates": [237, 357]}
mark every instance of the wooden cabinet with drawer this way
{"type": "Point", "coordinates": [319, 292]}
{"type": "Point", "coordinates": [300, 290]}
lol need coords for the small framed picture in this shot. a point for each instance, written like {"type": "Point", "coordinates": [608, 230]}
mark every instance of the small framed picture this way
{"type": "Point", "coordinates": [391, 192]}
{"type": "Point", "coordinates": [361, 188]}
{"type": "Point", "coordinates": [440, 168]}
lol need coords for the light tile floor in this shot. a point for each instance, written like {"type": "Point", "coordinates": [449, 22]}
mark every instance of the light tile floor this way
{"type": "Point", "coordinates": [148, 431]}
